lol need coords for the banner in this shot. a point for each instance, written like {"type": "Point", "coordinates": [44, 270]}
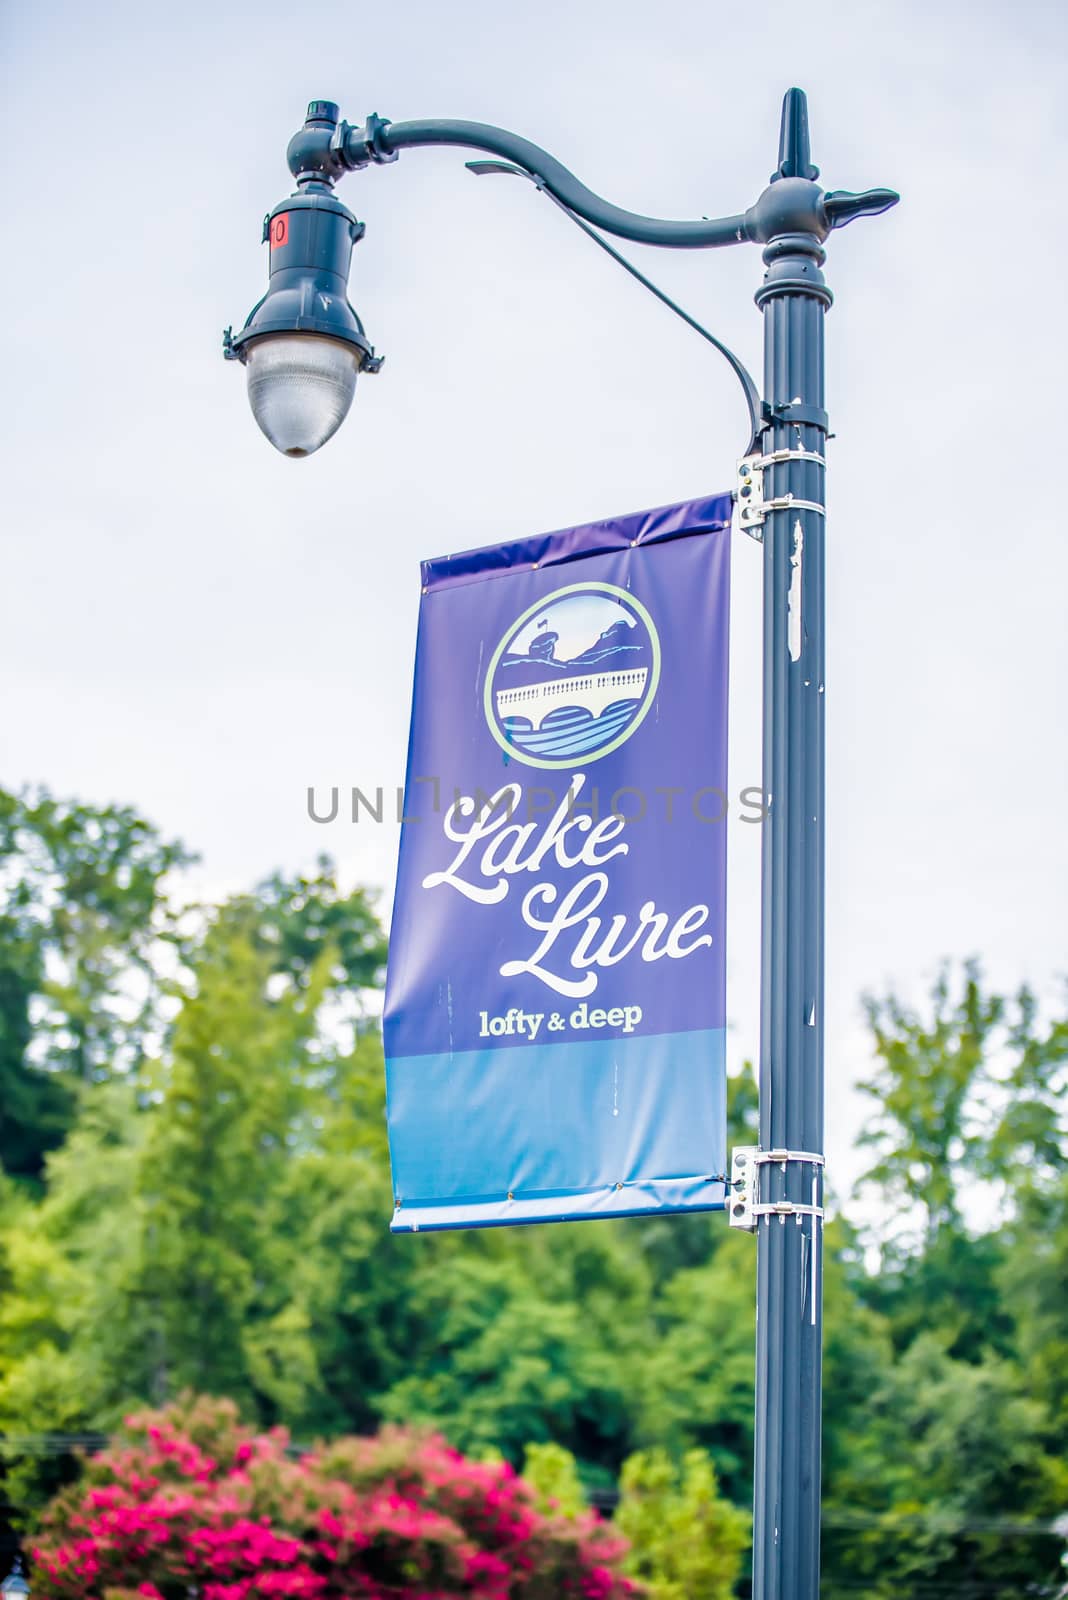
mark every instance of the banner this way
{"type": "Point", "coordinates": [554, 1020]}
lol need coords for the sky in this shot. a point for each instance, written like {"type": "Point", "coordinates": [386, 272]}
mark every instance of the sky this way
{"type": "Point", "coordinates": [198, 627]}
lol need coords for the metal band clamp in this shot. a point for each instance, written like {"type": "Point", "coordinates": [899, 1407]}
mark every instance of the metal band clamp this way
{"type": "Point", "coordinates": [744, 1206]}
{"type": "Point", "coordinates": [764, 1158]}
{"type": "Point", "coordinates": [773, 457]}
{"type": "Point", "coordinates": [749, 494]}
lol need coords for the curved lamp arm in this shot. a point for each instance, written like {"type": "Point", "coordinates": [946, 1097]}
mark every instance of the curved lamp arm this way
{"type": "Point", "coordinates": [325, 149]}
{"type": "Point", "coordinates": [392, 137]}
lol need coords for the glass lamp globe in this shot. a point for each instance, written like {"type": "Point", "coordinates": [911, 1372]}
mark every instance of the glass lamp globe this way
{"type": "Point", "coordinates": [300, 388]}
{"type": "Point", "coordinates": [15, 1583]}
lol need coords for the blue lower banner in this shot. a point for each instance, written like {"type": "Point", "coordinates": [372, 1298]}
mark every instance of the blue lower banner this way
{"type": "Point", "coordinates": [555, 1009]}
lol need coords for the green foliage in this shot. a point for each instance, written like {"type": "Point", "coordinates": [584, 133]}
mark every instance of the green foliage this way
{"type": "Point", "coordinates": [686, 1539]}
{"type": "Point", "coordinates": [695, 1376]}
{"type": "Point", "coordinates": [974, 1093]}
{"type": "Point", "coordinates": [955, 1483]}
{"type": "Point", "coordinates": [82, 914]}
{"type": "Point", "coordinates": [1031, 1278]}
{"type": "Point", "coordinates": [197, 1196]}
{"type": "Point", "coordinates": [552, 1473]}
{"type": "Point", "coordinates": [525, 1337]}
{"type": "Point", "coordinates": [953, 1466]}
{"type": "Point", "coordinates": [170, 1248]}
{"type": "Point", "coordinates": [297, 919]}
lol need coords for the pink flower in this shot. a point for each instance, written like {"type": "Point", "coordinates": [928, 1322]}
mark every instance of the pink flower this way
{"type": "Point", "coordinates": [171, 1506]}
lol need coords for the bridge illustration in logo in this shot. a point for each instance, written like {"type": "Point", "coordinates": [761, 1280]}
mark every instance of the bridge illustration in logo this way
{"type": "Point", "coordinates": [573, 677]}
{"type": "Point", "coordinates": [593, 694]}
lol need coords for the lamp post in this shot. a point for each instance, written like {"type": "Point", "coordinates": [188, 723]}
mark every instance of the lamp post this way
{"type": "Point", "coordinates": [304, 347]}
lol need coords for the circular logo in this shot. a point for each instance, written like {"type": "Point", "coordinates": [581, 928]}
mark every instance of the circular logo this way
{"type": "Point", "coordinates": [573, 677]}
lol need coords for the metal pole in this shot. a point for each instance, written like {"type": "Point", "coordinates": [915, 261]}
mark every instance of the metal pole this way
{"type": "Point", "coordinates": [793, 300]}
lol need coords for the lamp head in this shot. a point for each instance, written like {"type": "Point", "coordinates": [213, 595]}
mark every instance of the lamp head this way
{"type": "Point", "coordinates": [303, 345]}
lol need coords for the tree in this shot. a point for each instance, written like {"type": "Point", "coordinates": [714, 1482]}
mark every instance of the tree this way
{"type": "Point", "coordinates": [955, 1490]}
{"type": "Point", "coordinates": [944, 1466]}
{"type": "Point", "coordinates": [552, 1473]}
{"type": "Point", "coordinates": [694, 1365]}
{"type": "Point", "coordinates": [171, 1247]}
{"type": "Point", "coordinates": [1031, 1280]}
{"type": "Point", "coordinates": [67, 1320]}
{"type": "Point", "coordinates": [858, 1351]}
{"type": "Point", "coordinates": [686, 1540]}
{"type": "Point", "coordinates": [973, 1093]}
{"type": "Point", "coordinates": [220, 1142]}
{"type": "Point", "coordinates": [525, 1338]}
{"type": "Point", "coordinates": [82, 918]}
{"type": "Point", "coordinates": [251, 1100]}
{"type": "Point", "coordinates": [298, 918]}
{"type": "Point", "coordinates": [971, 1104]}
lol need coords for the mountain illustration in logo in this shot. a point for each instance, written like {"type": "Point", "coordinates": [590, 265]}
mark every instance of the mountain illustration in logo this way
{"type": "Point", "coordinates": [574, 677]}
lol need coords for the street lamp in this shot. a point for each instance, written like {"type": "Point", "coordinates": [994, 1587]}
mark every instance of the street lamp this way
{"type": "Point", "coordinates": [303, 346]}
{"type": "Point", "coordinates": [15, 1583]}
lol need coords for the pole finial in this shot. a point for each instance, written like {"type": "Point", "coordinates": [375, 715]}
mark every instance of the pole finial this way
{"type": "Point", "coordinates": [795, 156]}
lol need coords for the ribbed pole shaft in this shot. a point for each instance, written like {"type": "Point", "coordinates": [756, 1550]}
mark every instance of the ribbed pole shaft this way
{"type": "Point", "coordinates": [789, 1251]}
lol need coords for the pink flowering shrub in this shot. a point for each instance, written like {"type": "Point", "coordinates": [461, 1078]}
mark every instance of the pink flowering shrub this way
{"type": "Point", "coordinates": [187, 1502]}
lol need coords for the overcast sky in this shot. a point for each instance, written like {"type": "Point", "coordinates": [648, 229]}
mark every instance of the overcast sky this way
{"type": "Point", "coordinates": [196, 626]}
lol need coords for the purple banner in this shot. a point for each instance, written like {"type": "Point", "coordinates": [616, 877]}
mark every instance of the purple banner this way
{"type": "Point", "coordinates": [554, 1022]}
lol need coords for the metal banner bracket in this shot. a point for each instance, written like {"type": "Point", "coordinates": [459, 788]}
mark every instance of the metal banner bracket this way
{"type": "Point", "coordinates": [744, 1206]}
{"type": "Point", "coordinates": [749, 496]}
{"type": "Point", "coordinates": [749, 492]}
